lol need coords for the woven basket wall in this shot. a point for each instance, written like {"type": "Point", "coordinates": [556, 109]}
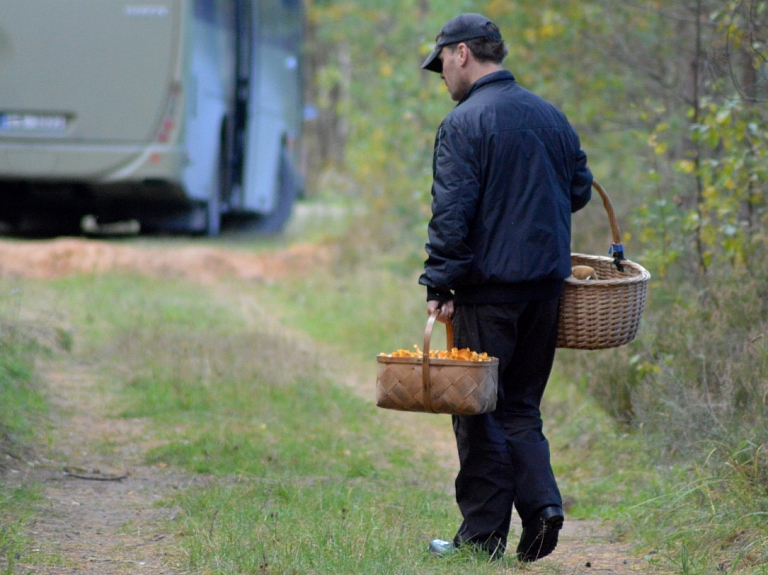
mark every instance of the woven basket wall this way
{"type": "Point", "coordinates": [457, 387]}
{"type": "Point", "coordinates": [437, 385]}
{"type": "Point", "coordinates": [602, 313]}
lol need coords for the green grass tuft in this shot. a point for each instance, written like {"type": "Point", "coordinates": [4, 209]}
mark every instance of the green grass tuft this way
{"type": "Point", "coordinates": [23, 411]}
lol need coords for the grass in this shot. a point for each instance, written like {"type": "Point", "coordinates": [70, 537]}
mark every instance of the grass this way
{"type": "Point", "coordinates": [606, 470]}
{"type": "Point", "coordinates": [22, 420]}
{"type": "Point", "coordinates": [300, 474]}
{"type": "Point", "coordinates": [693, 389]}
{"type": "Point", "coordinates": [17, 508]}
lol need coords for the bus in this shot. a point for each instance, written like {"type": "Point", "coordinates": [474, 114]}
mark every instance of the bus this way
{"type": "Point", "coordinates": [181, 115]}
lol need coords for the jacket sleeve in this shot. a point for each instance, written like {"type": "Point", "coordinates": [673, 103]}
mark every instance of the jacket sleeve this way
{"type": "Point", "coordinates": [581, 183]}
{"type": "Point", "coordinates": [455, 192]}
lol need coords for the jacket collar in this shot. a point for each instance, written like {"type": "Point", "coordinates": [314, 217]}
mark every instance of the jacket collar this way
{"type": "Point", "coordinates": [500, 76]}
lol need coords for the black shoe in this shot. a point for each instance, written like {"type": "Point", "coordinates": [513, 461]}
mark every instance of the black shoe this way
{"type": "Point", "coordinates": [539, 537]}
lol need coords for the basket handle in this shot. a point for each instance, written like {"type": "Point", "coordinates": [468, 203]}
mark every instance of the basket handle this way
{"type": "Point", "coordinates": [617, 248]}
{"type": "Point", "coordinates": [425, 356]}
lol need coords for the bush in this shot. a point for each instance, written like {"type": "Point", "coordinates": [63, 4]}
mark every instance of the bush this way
{"type": "Point", "coordinates": [697, 371]}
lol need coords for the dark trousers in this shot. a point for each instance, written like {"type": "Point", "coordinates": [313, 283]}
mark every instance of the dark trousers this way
{"type": "Point", "coordinates": [504, 456]}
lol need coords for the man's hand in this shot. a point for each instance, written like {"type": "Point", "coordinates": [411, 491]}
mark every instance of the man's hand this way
{"type": "Point", "coordinates": [446, 310]}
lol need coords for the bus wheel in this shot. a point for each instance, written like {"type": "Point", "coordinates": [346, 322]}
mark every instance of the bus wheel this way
{"type": "Point", "coordinates": [213, 206]}
{"type": "Point", "coordinates": [288, 191]}
{"type": "Point", "coordinates": [213, 215]}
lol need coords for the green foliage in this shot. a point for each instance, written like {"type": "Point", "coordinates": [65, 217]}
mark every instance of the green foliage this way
{"type": "Point", "coordinates": [694, 388]}
{"type": "Point", "coordinates": [732, 205]}
{"type": "Point", "coordinates": [724, 224]}
{"type": "Point", "coordinates": [392, 108]}
{"type": "Point", "coordinates": [380, 49]}
{"type": "Point", "coordinates": [698, 106]}
{"type": "Point", "coordinates": [669, 99]}
{"type": "Point", "coordinates": [710, 143]}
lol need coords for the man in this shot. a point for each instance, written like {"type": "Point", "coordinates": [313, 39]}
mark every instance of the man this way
{"type": "Point", "coordinates": [508, 172]}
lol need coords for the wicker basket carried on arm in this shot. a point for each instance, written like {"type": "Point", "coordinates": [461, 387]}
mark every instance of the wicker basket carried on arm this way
{"type": "Point", "coordinates": [436, 385]}
{"type": "Point", "coordinates": [604, 312]}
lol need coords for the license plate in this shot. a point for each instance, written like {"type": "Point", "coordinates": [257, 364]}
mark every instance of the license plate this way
{"type": "Point", "coordinates": [33, 123]}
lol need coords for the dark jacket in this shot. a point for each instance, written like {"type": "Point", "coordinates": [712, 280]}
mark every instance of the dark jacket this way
{"type": "Point", "coordinates": [508, 172]}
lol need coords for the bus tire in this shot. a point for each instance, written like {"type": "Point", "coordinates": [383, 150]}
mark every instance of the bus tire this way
{"type": "Point", "coordinates": [213, 215]}
{"type": "Point", "coordinates": [288, 185]}
{"type": "Point", "coordinates": [218, 190]}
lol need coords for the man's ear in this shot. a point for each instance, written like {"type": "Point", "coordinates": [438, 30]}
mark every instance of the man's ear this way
{"type": "Point", "coordinates": [464, 54]}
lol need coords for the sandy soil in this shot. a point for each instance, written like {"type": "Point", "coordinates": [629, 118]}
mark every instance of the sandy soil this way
{"type": "Point", "coordinates": [65, 256]}
{"type": "Point", "coordinates": [100, 513]}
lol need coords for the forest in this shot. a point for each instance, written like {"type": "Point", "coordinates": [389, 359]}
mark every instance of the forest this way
{"type": "Point", "coordinates": [669, 98]}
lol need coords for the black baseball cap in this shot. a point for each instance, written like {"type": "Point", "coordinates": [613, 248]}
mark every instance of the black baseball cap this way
{"type": "Point", "coordinates": [460, 29]}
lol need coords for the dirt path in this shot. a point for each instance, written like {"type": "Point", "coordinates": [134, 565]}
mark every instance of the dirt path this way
{"type": "Point", "coordinates": [101, 509]}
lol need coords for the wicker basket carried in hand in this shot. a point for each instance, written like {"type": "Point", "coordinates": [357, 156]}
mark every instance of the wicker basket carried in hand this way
{"type": "Point", "coordinates": [436, 385]}
{"type": "Point", "coordinates": [603, 312]}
